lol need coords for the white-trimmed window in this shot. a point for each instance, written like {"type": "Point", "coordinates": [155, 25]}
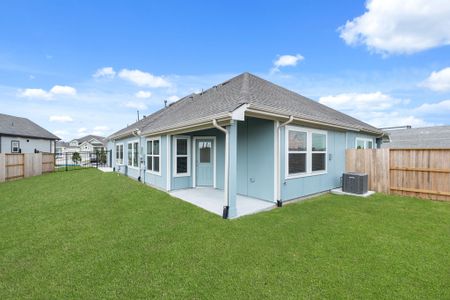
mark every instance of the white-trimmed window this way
{"type": "Point", "coordinates": [133, 154]}
{"type": "Point", "coordinates": [182, 155]}
{"type": "Point", "coordinates": [306, 151]}
{"type": "Point", "coordinates": [119, 154]}
{"type": "Point", "coordinates": [15, 146]}
{"type": "Point", "coordinates": [363, 143]}
{"type": "Point", "coordinates": [297, 151]}
{"type": "Point", "coordinates": [318, 152]}
{"type": "Point", "coordinates": [153, 155]}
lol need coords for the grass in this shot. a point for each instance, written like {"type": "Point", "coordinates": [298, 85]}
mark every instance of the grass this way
{"type": "Point", "coordinates": [89, 235]}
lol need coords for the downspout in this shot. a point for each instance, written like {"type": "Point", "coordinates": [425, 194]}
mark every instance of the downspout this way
{"type": "Point", "coordinates": [380, 137]}
{"type": "Point", "coordinates": [137, 133]}
{"type": "Point", "coordinates": [227, 205]}
{"type": "Point", "coordinates": [278, 171]}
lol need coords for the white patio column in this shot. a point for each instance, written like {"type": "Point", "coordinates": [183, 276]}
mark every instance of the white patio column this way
{"type": "Point", "coordinates": [232, 168]}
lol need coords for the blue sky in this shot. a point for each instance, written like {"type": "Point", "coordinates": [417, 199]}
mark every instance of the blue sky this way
{"type": "Point", "coordinates": [79, 67]}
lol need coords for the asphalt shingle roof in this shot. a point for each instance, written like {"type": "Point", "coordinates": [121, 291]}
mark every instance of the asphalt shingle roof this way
{"type": "Point", "coordinates": [424, 137]}
{"type": "Point", "coordinates": [89, 137]}
{"type": "Point", "coordinates": [17, 126]}
{"type": "Point", "coordinates": [243, 89]}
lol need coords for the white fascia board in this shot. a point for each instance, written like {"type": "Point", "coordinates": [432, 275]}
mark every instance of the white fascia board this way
{"type": "Point", "coordinates": [239, 113]}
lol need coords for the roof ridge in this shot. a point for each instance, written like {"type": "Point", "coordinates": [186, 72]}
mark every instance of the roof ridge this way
{"type": "Point", "coordinates": [15, 117]}
{"type": "Point", "coordinates": [245, 88]}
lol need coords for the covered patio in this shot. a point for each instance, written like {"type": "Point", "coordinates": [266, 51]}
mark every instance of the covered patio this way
{"type": "Point", "coordinates": [212, 200]}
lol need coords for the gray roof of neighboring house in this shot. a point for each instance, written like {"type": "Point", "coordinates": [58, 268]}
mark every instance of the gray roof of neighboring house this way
{"type": "Point", "coordinates": [89, 137]}
{"type": "Point", "coordinates": [424, 137]}
{"type": "Point", "coordinates": [62, 144]}
{"type": "Point", "coordinates": [248, 89]}
{"type": "Point", "coordinates": [17, 126]}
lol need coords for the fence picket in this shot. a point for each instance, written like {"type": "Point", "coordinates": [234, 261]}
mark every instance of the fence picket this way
{"type": "Point", "coordinates": [423, 173]}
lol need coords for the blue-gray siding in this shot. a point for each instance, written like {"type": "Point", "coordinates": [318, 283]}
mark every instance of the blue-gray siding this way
{"type": "Point", "coordinates": [147, 177]}
{"type": "Point", "coordinates": [255, 167]}
{"type": "Point", "coordinates": [255, 161]}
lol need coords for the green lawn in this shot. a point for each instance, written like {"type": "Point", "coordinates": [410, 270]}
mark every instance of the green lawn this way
{"type": "Point", "coordinates": [87, 234]}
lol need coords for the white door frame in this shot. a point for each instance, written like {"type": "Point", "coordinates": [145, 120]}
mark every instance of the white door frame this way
{"type": "Point", "coordinates": [194, 158]}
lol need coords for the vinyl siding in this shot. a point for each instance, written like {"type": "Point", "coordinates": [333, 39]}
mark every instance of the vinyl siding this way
{"type": "Point", "coordinates": [292, 188]}
{"type": "Point", "coordinates": [27, 145]}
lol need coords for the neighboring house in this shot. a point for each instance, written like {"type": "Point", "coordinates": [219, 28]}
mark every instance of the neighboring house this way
{"type": "Point", "coordinates": [247, 137]}
{"type": "Point", "coordinates": [89, 143]}
{"type": "Point", "coordinates": [424, 137]}
{"type": "Point", "coordinates": [20, 135]}
{"type": "Point", "coordinates": [86, 147]}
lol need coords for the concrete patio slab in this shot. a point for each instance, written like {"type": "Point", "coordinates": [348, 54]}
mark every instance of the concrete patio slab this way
{"type": "Point", "coordinates": [212, 200]}
{"type": "Point", "coordinates": [340, 192]}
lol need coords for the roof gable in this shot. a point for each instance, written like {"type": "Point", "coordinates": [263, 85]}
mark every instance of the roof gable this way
{"type": "Point", "coordinates": [89, 138]}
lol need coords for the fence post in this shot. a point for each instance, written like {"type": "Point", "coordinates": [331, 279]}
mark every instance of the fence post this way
{"type": "Point", "coordinates": [66, 161]}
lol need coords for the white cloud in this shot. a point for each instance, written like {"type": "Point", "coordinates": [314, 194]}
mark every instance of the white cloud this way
{"type": "Point", "coordinates": [438, 81]}
{"type": "Point", "coordinates": [439, 108]}
{"type": "Point", "coordinates": [377, 109]}
{"type": "Point", "coordinates": [61, 134]}
{"type": "Point", "coordinates": [63, 90]}
{"type": "Point", "coordinates": [286, 61]}
{"type": "Point", "coordinates": [135, 105]}
{"type": "Point", "coordinates": [101, 128]}
{"type": "Point", "coordinates": [42, 94]}
{"type": "Point", "coordinates": [143, 94]}
{"type": "Point", "coordinates": [144, 79]}
{"type": "Point", "coordinates": [36, 93]}
{"type": "Point", "coordinates": [60, 118]}
{"type": "Point", "coordinates": [173, 98]}
{"type": "Point", "coordinates": [360, 101]}
{"type": "Point", "coordinates": [106, 72]}
{"type": "Point", "coordinates": [393, 118]}
{"type": "Point", "coordinates": [400, 27]}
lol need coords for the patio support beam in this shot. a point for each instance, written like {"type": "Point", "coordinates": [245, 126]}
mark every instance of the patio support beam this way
{"type": "Point", "coordinates": [232, 169]}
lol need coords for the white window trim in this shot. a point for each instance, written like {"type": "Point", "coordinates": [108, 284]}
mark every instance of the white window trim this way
{"type": "Point", "coordinates": [365, 141]}
{"type": "Point", "coordinates": [132, 154]}
{"type": "Point", "coordinates": [153, 155]}
{"type": "Point", "coordinates": [123, 154]}
{"type": "Point", "coordinates": [309, 152]}
{"type": "Point", "coordinates": [194, 158]}
{"type": "Point", "coordinates": [188, 173]}
{"type": "Point", "coordinates": [18, 146]}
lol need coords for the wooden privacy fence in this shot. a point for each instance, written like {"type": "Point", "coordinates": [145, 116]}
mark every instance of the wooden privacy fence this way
{"type": "Point", "coordinates": [20, 165]}
{"type": "Point", "coordinates": [423, 173]}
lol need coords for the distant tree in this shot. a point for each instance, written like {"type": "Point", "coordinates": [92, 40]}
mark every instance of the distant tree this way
{"type": "Point", "coordinates": [102, 157]}
{"type": "Point", "coordinates": [76, 157]}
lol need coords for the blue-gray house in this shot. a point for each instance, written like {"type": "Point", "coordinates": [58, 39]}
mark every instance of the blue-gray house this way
{"type": "Point", "coordinates": [244, 140]}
